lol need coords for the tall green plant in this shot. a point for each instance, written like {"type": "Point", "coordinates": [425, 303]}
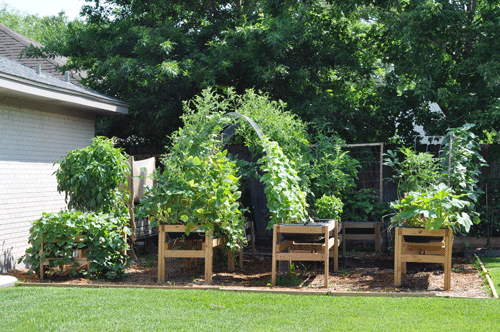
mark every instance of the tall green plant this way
{"type": "Point", "coordinates": [94, 178]}
{"type": "Point", "coordinates": [461, 161]}
{"type": "Point", "coordinates": [332, 170]}
{"type": "Point", "coordinates": [196, 171]}
{"type": "Point", "coordinates": [198, 191]}
{"type": "Point", "coordinates": [413, 171]}
{"type": "Point", "coordinates": [285, 200]}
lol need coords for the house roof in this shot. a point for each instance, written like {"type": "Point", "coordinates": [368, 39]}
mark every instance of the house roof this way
{"type": "Point", "coordinates": [13, 43]}
{"type": "Point", "coordinates": [20, 82]}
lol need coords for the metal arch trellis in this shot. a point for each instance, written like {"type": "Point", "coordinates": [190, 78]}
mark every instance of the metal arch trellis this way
{"type": "Point", "coordinates": [229, 132]}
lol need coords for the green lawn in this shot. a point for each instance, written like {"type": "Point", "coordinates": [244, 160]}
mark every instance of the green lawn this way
{"type": "Point", "coordinates": [91, 309]}
{"type": "Point", "coordinates": [492, 264]}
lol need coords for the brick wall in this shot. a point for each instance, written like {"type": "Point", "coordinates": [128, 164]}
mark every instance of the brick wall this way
{"type": "Point", "coordinates": [31, 141]}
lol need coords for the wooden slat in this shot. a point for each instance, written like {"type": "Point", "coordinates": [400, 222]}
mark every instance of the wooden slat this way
{"type": "Point", "coordinates": [185, 253]}
{"type": "Point", "coordinates": [361, 224]}
{"type": "Point", "coordinates": [422, 258]}
{"type": "Point", "coordinates": [283, 245]}
{"type": "Point", "coordinates": [300, 229]}
{"type": "Point", "coordinates": [300, 256]}
{"type": "Point", "coordinates": [423, 232]}
{"type": "Point", "coordinates": [307, 247]}
{"type": "Point", "coordinates": [360, 237]}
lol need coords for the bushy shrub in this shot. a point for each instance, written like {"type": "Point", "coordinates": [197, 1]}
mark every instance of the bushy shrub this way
{"type": "Point", "coordinates": [102, 235]}
{"type": "Point", "coordinates": [94, 179]}
{"type": "Point", "coordinates": [328, 207]}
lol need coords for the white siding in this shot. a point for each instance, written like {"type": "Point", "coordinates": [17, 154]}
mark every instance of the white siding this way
{"type": "Point", "coordinates": [31, 141]}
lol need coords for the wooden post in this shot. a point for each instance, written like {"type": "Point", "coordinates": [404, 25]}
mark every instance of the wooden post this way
{"type": "Point", "coordinates": [161, 253]}
{"type": "Point", "coordinates": [448, 244]}
{"type": "Point", "coordinates": [209, 250]}
{"type": "Point", "coordinates": [230, 260]}
{"type": "Point", "coordinates": [335, 247]}
{"type": "Point", "coordinates": [397, 258]}
{"type": "Point", "coordinates": [327, 251]}
{"type": "Point", "coordinates": [275, 238]}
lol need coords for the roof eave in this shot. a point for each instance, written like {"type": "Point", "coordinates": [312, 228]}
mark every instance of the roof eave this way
{"type": "Point", "coordinates": [15, 86]}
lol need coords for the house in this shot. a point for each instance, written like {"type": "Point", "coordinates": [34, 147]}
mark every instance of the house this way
{"type": "Point", "coordinates": [12, 45]}
{"type": "Point", "coordinates": [41, 118]}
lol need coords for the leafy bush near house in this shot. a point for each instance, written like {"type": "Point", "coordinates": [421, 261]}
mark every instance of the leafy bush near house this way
{"type": "Point", "coordinates": [93, 178]}
{"type": "Point", "coordinates": [102, 235]}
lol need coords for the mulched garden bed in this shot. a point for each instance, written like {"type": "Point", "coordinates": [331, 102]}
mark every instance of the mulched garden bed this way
{"type": "Point", "coordinates": [358, 272]}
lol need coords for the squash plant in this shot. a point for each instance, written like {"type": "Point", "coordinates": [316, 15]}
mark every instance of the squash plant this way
{"type": "Point", "coordinates": [433, 209]}
{"type": "Point", "coordinates": [102, 235]}
{"type": "Point", "coordinates": [439, 193]}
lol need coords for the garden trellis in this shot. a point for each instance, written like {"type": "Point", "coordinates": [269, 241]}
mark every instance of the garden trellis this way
{"type": "Point", "coordinates": [370, 157]}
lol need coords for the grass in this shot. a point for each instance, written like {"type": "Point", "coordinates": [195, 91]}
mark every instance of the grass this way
{"type": "Point", "coordinates": [492, 264]}
{"type": "Point", "coordinates": [106, 309]}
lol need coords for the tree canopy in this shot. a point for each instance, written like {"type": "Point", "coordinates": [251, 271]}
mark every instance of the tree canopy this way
{"type": "Point", "coordinates": [440, 51]}
{"type": "Point", "coordinates": [155, 54]}
{"type": "Point", "coordinates": [45, 30]}
{"type": "Point", "coordinates": [366, 70]}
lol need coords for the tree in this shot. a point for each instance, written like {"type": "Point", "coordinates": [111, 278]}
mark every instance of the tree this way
{"type": "Point", "coordinates": [441, 51]}
{"type": "Point", "coordinates": [45, 30]}
{"type": "Point", "coordinates": [154, 54]}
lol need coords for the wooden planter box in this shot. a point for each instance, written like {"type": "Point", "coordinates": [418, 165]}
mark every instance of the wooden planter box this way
{"type": "Point", "coordinates": [208, 243]}
{"type": "Point", "coordinates": [376, 236]}
{"type": "Point", "coordinates": [165, 249]}
{"type": "Point", "coordinates": [290, 250]}
{"type": "Point", "coordinates": [436, 248]}
{"type": "Point", "coordinates": [80, 258]}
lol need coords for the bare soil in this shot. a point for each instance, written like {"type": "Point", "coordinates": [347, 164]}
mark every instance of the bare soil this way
{"type": "Point", "coordinates": [358, 272]}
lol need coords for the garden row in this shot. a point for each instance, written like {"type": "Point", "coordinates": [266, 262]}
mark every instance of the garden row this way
{"type": "Point", "coordinates": [305, 173]}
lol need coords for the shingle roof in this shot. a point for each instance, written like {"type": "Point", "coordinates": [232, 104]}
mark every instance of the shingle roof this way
{"type": "Point", "coordinates": [13, 43]}
{"type": "Point", "coordinates": [17, 69]}
{"type": "Point", "coordinates": [13, 72]}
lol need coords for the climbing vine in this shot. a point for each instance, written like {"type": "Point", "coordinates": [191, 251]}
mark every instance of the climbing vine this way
{"type": "Point", "coordinates": [200, 183]}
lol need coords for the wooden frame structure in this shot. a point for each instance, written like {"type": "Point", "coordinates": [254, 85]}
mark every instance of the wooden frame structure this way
{"type": "Point", "coordinates": [165, 249]}
{"type": "Point", "coordinates": [289, 250]}
{"type": "Point", "coordinates": [81, 260]}
{"type": "Point", "coordinates": [377, 236]}
{"type": "Point", "coordinates": [438, 250]}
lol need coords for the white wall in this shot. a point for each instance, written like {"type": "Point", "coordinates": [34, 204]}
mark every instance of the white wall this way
{"type": "Point", "coordinates": [31, 141]}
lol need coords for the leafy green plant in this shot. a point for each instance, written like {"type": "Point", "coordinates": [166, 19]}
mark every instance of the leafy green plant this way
{"type": "Point", "coordinates": [461, 163]}
{"type": "Point", "coordinates": [328, 207]}
{"type": "Point", "coordinates": [93, 178]}
{"type": "Point", "coordinates": [200, 191]}
{"type": "Point", "coordinates": [332, 170]}
{"type": "Point", "coordinates": [364, 205]}
{"type": "Point", "coordinates": [413, 171]}
{"type": "Point", "coordinates": [434, 209]}
{"type": "Point", "coordinates": [200, 184]}
{"type": "Point", "coordinates": [285, 200]}
{"type": "Point", "coordinates": [102, 235]}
